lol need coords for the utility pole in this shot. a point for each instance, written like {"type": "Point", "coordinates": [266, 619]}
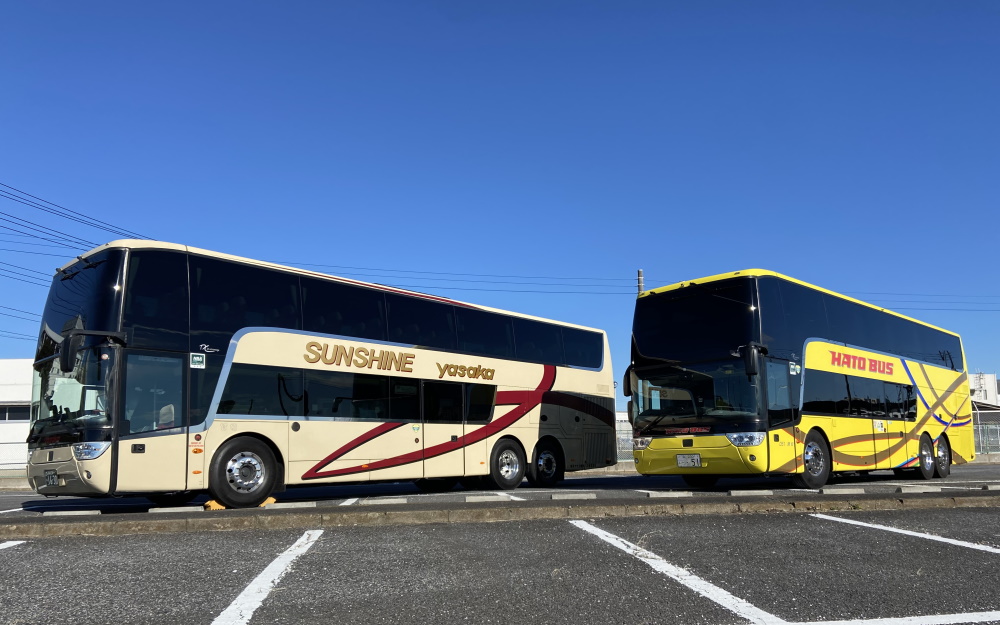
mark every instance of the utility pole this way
{"type": "Point", "coordinates": [640, 282]}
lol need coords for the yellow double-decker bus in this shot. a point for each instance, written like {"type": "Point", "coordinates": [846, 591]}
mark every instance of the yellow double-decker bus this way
{"type": "Point", "coordinates": [164, 371]}
{"type": "Point", "coordinates": [756, 373]}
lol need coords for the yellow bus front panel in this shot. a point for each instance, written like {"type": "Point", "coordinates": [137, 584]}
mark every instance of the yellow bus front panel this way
{"type": "Point", "coordinates": [706, 455]}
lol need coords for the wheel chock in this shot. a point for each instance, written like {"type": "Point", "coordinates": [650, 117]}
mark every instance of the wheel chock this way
{"type": "Point", "coordinates": [212, 504]}
{"type": "Point", "coordinates": [267, 502]}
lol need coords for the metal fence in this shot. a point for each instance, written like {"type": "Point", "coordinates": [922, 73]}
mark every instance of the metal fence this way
{"type": "Point", "coordinates": [624, 431]}
{"type": "Point", "coordinates": [987, 430]}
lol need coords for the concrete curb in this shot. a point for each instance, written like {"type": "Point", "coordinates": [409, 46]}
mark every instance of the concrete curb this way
{"type": "Point", "coordinates": [261, 519]}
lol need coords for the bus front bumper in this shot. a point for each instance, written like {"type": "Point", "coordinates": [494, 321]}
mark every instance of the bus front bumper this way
{"type": "Point", "coordinates": [54, 472]}
{"type": "Point", "coordinates": [706, 455]}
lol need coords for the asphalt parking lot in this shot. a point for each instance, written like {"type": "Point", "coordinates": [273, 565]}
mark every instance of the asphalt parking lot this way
{"type": "Point", "coordinates": [884, 567]}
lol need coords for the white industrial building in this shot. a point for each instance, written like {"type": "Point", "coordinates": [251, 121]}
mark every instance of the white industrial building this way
{"type": "Point", "coordinates": [15, 407]}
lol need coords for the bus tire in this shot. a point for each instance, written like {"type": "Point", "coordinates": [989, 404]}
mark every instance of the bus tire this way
{"type": "Point", "coordinates": [925, 458]}
{"type": "Point", "coordinates": [507, 465]}
{"type": "Point", "coordinates": [700, 481]}
{"type": "Point", "coordinates": [547, 466]}
{"type": "Point", "coordinates": [436, 484]}
{"type": "Point", "coordinates": [171, 500]}
{"type": "Point", "coordinates": [817, 463]}
{"type": "Point", "coordinates": [942, 459]}
{"type": "Point", "coordinates": [243, 473]}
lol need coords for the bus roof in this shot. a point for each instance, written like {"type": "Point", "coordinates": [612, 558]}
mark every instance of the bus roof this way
{"type": "Point", "coordinates": [758, 273]}
{"type": "Point", "coordinates": [162, 245]}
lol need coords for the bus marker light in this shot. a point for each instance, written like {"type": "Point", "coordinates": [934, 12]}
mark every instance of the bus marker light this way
{"type": "Point", "coordinates": [197, 450]}
{"type": "Point", "coordinates": [196, 472]}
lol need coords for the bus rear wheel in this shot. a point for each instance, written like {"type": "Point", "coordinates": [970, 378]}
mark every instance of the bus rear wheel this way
{"type": "Point", "coordinates": [506, 465]}
{"type": "Point", "coordinates": [817, 463]}
{"type": "Point", "coordinates": [942, 459]}
{"type": "Point", "coordinates": [243, 473]}
{"type": "Point", "coordinates": [547, 467]}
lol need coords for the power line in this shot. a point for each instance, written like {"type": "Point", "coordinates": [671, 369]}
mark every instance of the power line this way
{"type": "Point", "coordinates": [20, 311]}
{"type": "Point", "coordinates": [630, 281]}
{"type": "Point", "coordinates": [41, 228]}
{"type": "Point", "coordinates": [74, 215]}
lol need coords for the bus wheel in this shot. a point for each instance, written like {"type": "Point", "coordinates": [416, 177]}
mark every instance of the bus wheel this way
{"type": "Point", "coordinates": [546, 468]}
{"type": "Point", "coordinates": [817, 461]}
{"type": "Point", "coordinates": [700, 481]}
{"type": "Point", "coordinates": [925, 466]}
{"type": "Point", "coordinates": [942, 460]}
{"type": "Point", "coordinates": [171, 500]}
{"type": "Point", "coordinates": [243, 473]}
{"type": "Point", "coordinates": [436, 484]}
{"type": "Point", "coordinates": [506, 465]}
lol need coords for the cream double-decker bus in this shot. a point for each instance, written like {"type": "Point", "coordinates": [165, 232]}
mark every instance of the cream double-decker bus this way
{"type": "Point", "coordinates": [756, 373]}
{"type": "Point", "coordinates": [164, 371]}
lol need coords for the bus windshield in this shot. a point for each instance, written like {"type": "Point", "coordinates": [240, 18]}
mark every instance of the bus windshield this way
{"type": "Point", "coordinates": [717, 395]}
{"type": "Point", "coordinates": [83, 296]}
{"type": "Point", "coordinates": [73, 406]}
{"type": "Point", "coordinates": [695, 323]}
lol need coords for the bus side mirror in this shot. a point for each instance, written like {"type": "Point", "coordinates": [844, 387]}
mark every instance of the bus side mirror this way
{"type": "Point", "coordinates": [751, 356]}
{"type": "Point", "coordinates": [67, 352]}
{"type": "Point", "coordinates": [627, 382]}
{"type": "Point", "coordinates": [631, 419]}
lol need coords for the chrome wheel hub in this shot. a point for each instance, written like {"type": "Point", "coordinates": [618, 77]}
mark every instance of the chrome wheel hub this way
{"type": "Point", "coordinates": [546, 465]}
{"type": "Point", "coordinates": [814, 460]}
{"type": "Point", "coordinates": [245, 472]}
{"type": "Point", "coordinates": [508, 465]}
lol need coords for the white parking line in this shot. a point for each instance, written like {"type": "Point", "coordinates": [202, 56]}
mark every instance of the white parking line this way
{"type": "Point", "coordinates": [942, 539]}
{"type": "Point", "coordinates": [240, 610]}
{"type": "Point", "coordinates": [755, 614]}
{"type": "Point", "coordinates": [11, 543]}
{"type": "Point", "coordinates": [349, 502]}
{"type": "Point", "coordinates": [685, 577]}
{"type": "Point", "coordinates": [13, 510]}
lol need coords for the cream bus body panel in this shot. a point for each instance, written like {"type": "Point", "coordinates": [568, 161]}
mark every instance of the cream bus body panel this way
{"type": "Point", "coordinates": [309, 452]}
{"type": "Point", "coordinates": [152, 463]}
{"type": "Point", "coordinates": [71, 473]}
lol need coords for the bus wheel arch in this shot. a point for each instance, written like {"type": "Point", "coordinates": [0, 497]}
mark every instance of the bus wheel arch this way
{"type": "Point", "coordinates": [507, 464]}
{"type": "Point", "coordinates": [245, 471]}
{"type": "Point", "coordinates": [817, 460]}
{"type": "Point", "coordinates": [942, 456]}
{"type": "Point", "coordinates": [548, 463]}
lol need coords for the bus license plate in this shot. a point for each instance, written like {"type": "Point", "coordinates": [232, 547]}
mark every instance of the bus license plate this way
{"type": "Point", "coordinates": [51, 478]}
{"type": "Point", "coordinates": [688, 460]}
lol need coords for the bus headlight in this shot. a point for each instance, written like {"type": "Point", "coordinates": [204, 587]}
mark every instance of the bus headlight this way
{"type": "Point", "coordinates": [641, 443]}
{"type": "Point", "coordinates": [746, 439]}
{"type": "Point", "coordinates": [89, 451]}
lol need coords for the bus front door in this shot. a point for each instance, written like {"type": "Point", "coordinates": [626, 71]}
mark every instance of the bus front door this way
{"type": "Point", "coordinates": [152, 446]}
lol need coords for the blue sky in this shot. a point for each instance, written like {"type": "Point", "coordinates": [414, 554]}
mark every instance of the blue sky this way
{"type": "Point", "coordinates": [562, 145]}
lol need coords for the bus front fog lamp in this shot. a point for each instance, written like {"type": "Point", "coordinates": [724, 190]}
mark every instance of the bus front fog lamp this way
{"type": "Point", "coordinates": [641, 442]}
{"type": "Point", "coordinates": [89, 451]}
{"type": "Point", "coordinates": [746, 439]}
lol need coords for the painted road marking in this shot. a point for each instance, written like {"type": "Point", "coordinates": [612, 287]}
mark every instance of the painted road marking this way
{"type": "Point", "coordinates": [755, 614]}
{"type": "Point", "coordinates": [11, 543]}
{"type": "Point", "coordinates": [14, 510]}
{"type": "Point", "coordinates": [349, 502]}
{"type": "Point", "coordinates": [685, 577]}
{"type": "Point", "coordinates": [240, 610]}
{"type": "Point", "coordinates": [942, 539]}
